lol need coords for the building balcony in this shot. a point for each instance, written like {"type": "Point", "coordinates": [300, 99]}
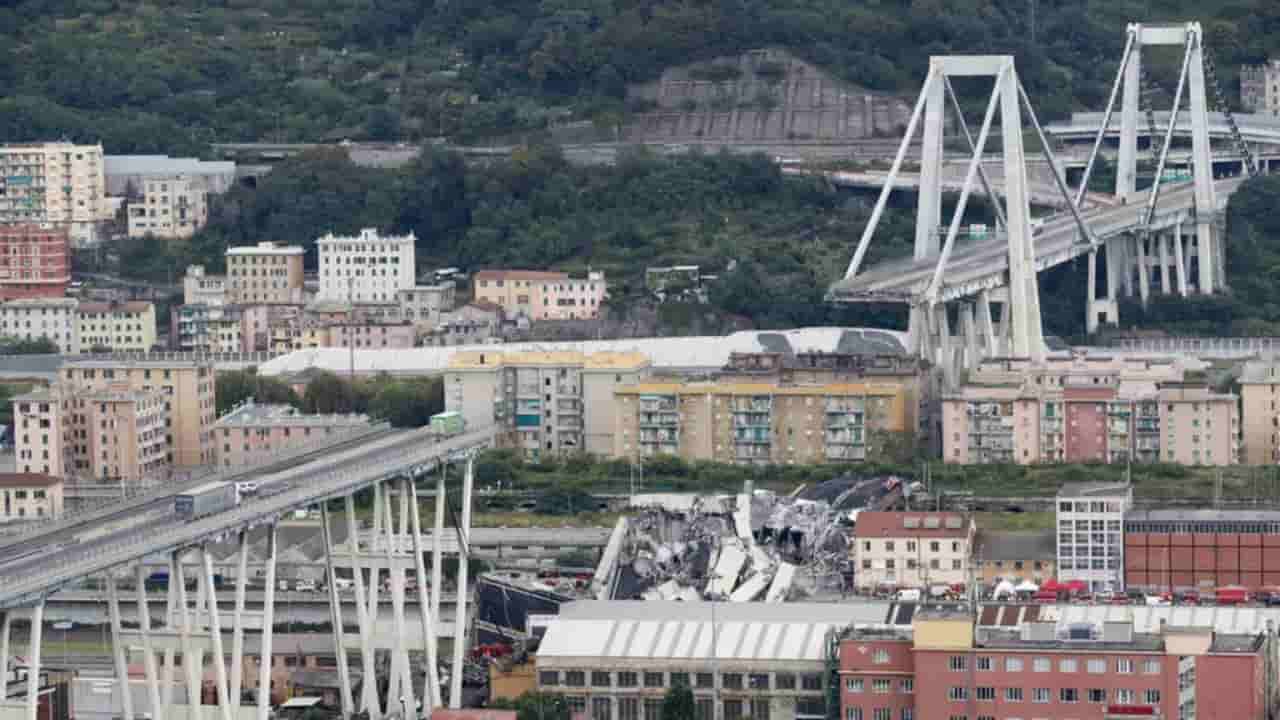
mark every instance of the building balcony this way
{"type": "Point", "coordinates": [744, 420]}
{"type": "Point", "coordinates": [846, 453]}
{"type": "Point", "coordinates": [659, 420]}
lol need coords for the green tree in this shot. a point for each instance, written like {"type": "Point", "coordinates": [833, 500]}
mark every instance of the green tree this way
{"type": "Point", "coordinates": [408, 403]}
{"type": "Point", "coordinates": [678, 704]}
{"type": "Point", "coordinates": [235, 386]}
{"type": "Point", "coordinates": [535, 706]}
{"type": "Point", "coordinates": [328, 393]}
{"type": "Point", "coordinates": [27, 346]}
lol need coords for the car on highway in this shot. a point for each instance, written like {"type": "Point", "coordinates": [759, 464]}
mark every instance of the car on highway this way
{"type": "Point", "coordinates": [305, 586]}
{"type": "Point", "coordinates": [247, 488]}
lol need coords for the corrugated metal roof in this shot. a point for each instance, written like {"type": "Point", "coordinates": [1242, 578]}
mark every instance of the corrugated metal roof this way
{"type": "Point", "coordinates": [669, 352]}
{"type": "Point", "coordinates": [1224, 619]}
{"type": "Point", "coordinates": [628, 629]}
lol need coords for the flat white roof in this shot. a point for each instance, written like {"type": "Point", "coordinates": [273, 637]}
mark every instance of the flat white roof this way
{"type": "Point", "coordinates": [265, 249]}
{"type": "Point", "coordinates": [708, 351]}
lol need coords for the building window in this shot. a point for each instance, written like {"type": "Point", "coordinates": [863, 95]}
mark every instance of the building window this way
{"type": "Point", "coordinates": [653, 709]}
{"type": "Point", "coordinates": [984, 662]}
{"type": "Point", "coordinates": [1124, 666]}
{"type": "Point", "coordinates": [1097, 695]}
{"type": "Point", "coordinates": [730, 681]}
{"type": "Point", "coordinates": [1096, 667]}
{"type": "Point", "coordinates": [1040, 695]}
{"type": "Point", "coordinates": [907, 686]}
{"type": "Point", "coordinates": [758, 681]}
{"type": "Point", "coordinates": [880, 656]}
{"type": "Point", "coordinates": [653, 679]}
{"type": "Point", "coordinates": [627, 679]}
{"type": "Point", "coordinates": [707, 680]}
{"type": "Point", "coordinates": [783, 681]}
{"type": "Point", "coordinates": [1150, 667]}
{"type": "Point", "coordinates": [679, 679]}
{"type": "Point", "coordinates": [956, 663]}
{"type": "Point", "coordinates": [881, 686]}
{"type": "Point", "coordinates": [853, 713]}
{"type": "Point", "coordinates": [1152, 697]}
{"type": "Point", "coordinates": [1069, 695]}
{"type": "Point", "coordinates": [600, 679]}
{"type": "Point", "coordinates": [1124, 697]}
{"type": "Point", "coordinates": [1013, 694]}
{"type": "Point", "coordinates": [732, 709]}
{"type": "Point", "coordinates": [956, 694]}
{"type": "Point", "coordinates": [1067, 665]}
{"type": "Point", "coordinates": [1013, 664]}
{"type": "Point", "coordinates": [811, 682]}
{"type": "Point", "coordinates": [854, 685]}
{"type": "Point", "coordinates": [601, 709]}
{"type": "Point", "coordinates": [575, 678]}
{"type": "Point", "coordinates": [985, 693]}
{"type": "Point", "coordinates": [882, 714]}
{"type": "Point", "coordinates": [1041, 664]}
{"type": "Point", "coordinates": [760, 709]}
{"type": "Point", "coordinates": [628, 708]}
{"type": "Point", "coordinates": [549, 678]}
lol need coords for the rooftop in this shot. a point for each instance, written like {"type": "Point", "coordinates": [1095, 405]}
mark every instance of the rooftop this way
{"type": "Point", "coordinates": [42, 395]}
{"type": "Point", "coordinates": [875, 524]}
{"type": "Point", "coordinates": [250, 414]}
{"type": "Point", "coordinates": [709, 352]}
{"type": "Point", "coordinates": [498, 357]}
{"type": "Point", "coordinates": [520, 275]}
{"type": "Point", "coordinates": [27, 480]}
{"type": "Point", "coordinates": [164, 165]}
{"type": "Point", "coordinates": [366, 235]}
{"type": "Point", "coordinates": [266, 248]}
{"type": "Point", "coordinates": [42, 302]}
{"type": "Point", "coordinates": [1202, 515]}
{"type": "Point", "coordinates": [1013, 639]}
{"type": "Point", "coordinates": [761, 388]}
{"type": "Point", "coordinates": [131, 362]}
{"type": "Point", "coordinates": [1224, 619]}
{"type": "Point", "coordinates": [1094, 489]}
{"type": "Point", "coordinates": [102, 307]}
{"type": "Point", "coordinates": [994, 545]}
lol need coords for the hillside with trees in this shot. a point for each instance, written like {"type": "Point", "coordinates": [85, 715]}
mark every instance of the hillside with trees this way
{"type": "Point", "coordinates": [175, 75]}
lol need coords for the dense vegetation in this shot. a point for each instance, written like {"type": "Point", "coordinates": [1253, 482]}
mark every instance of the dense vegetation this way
{"type": "Point", "coordinates": [169, 75]}
{"type": "Point", "coordinates": [401, 402]}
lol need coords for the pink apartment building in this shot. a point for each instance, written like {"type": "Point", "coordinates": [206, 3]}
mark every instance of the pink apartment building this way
{"type": "Point", "coordinates": [542, 295]}
{"type": "Point", "coordinates": [252, 432]}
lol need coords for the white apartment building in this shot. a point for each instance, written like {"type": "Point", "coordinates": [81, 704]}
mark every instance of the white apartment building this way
{"type": "Point", "coordinates": [1260, 88]}
{"type": "Point", "coordinates": [912, 549]}
{"type": "Point", "coordinates": [55, 182]}
{"type": "Point", "coordinates": [423, 305]}
{"type": "Point", "coordinates": [35, 318]}
{"type": "Point", "coordinates": [367, 267]}
{"type": "Point", "coordinates": [200, 288]}
{"type": "Point", "coordinates": [268, 272]}
{"type": "Point", "coordinates": [170, 207]}
{"type": "Point", "coordinates": [1091, 533]}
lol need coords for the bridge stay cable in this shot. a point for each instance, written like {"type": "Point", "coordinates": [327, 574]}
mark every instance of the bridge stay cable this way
{"type": "Point", "coordinates": [1132, 37]}
{"type": "Point", "coordinates": [1220, 104]}
{"type": "Point", "coordinates": [982, 173]}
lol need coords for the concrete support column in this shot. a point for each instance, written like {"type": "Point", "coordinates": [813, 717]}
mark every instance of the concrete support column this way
{"type": "Point", "coordinates": [268, 623]}
{"type": "Point", "coordinates": [121, 661]}
{"type": "Point", "coordinates": [464, 556]}
{"type": "Point", "coordinates": [437, 553]}
{"type": "Point", "coordinates": [969, 330]}
{"type": "Point", "coordinates": [215, 635]}
{"type": "Point", "coordinates": [158, 710]}
{"type": "Point", "coordinates": [1127, 160]}
{"type": "Point", "coordinates": [1144, 269]}
{"type": "Point", "coordinates": [401, 676]}
{"type": "Point", "coordinates": [431, 685]}
{"type": "Point", "coordinates": [192, 658]}
{"type": "Point", "coordinates": [1202, 165]}
{"type": "Point", "coordinates": [6, 627]}
{"type": "Point", "coordinates": [1179, 261]}
{"type": "Point", "coordinates": [33, 661]}
{"type": "Point", "coordinates": [986, 331]}
{"type": "Point", "coordinates": [1162, 241]}
{"type": "Point", "coordinates": [237, 621]}
{"type": "Point", "coordinates": [335, 616]}
{"type": "Point", "coordinates": [1090, 294]}
{"type": "Point", "coordinates": [368, 681]}
{"type": "Point", "coordinates": [169, 668]}
{"type": "Point", "coordinates": [1024, 293]}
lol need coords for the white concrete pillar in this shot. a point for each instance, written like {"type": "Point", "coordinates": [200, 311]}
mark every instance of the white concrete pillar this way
{"type": "Point", "coordinates": [368, 691]}
{"type": "Point", "coordinates": [268, 623]}
{"type": "Point", "coordinates": [1024, 294]}
{"type": "Point", "coordinates": [1091, 294]}
{"type": "Point", "coordinates": [215, 635]}
{"type": "Point", "coordinates": [460, 620]}
{"type": "Point", "coordinates": [169, 668]}
{"type": "Point", "coordinates": [118, 656]}
{"type": "Point", "coordinates": [158, 709]}
{"type": "Point", "coordinates": [986, 331]}
{"type": "Point", "coordinates": [929, 207]}
{"type": "Point", "coordinates": [432, 681]}
{"type": "Point", "coordinates": [6, 627]}
{"type": "Point", "coordinates": [335, 616]}
{"type": "Point", "coordinates": [437, 552]}
{"type": "Point", "coordinates": [401, 684]}
{"type": "Point", "coordinates": [1162, 241]}
{"type": "Point", "coordinates": [1179, 262]}
{"type": "Point", "coordinates": [237, 621]}
{"type": "Point", "coordinates": [1131, 94]}
{"type": "Point", "coordinates": [1202, 164]}
{"type": "Point", "coordinates": [192, 657]}
{"type": "Point", "coordinates": [33, 661]}
{"type": "Point", "coordinates": [1144, 269]}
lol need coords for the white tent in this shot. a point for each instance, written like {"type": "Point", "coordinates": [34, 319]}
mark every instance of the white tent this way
{"type": "Point", "coordinates": [1004, 587]}
{"type": "Point", "coordinates": [1027, 586]}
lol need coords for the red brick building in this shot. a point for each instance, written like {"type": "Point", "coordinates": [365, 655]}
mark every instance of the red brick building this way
{"type": "Point", "coordinates": [35, 261]}
{"type": "Point", "coordinates": [1178, 550]}
{"type": "Point", "coordinates": [1086, 428]}
{"type": "Point", "coordinates": [1041, 670]}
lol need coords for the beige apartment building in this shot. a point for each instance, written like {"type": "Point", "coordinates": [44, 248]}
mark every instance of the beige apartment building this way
{"type": "Point", "coordinates": [547, 403]}
{"type": "Point", "coordinates": [1107, 410]}
{"type": "Point", "coordinates": [541, 295]}
{"type": "Point", "coordinates": [264, 273]}
{"type": "Point", "coordinates": [118, 434]}
{"type": "Point", "coordinates": [117, 326]}
{"type": "Point", "coordinates": [201, 288]}
{"type": "Point", "coordinates": [24, 496]}
{"type": "Point", "coordinates": [59, 183]}
{"type": "Point", "coordinates": [187, 387]}
{"type": "Point", "coordinates": [53, 319]}
{"type": "Point", "coordinates": [38, 422]}
{"type": "Point", "coordinates": [1259, 395]}
{"type": "Point", "coordinates": [1260, 88]}
{"type": "Point", "coordinates": [911, 549]}
{"type": "Point", "coordinates": [758, 423]}
{"type": "Point", "coordinates": [170, 207]}
{"type": "Point", "coordinates": [251, 433]}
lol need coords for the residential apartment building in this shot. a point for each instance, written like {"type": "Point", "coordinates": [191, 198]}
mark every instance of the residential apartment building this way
{"type": "Point", "coordinates": [472, 324]}
{"type": "Point", "coordinates": [424, 305]}
{"type": "Point", "coordinates": [118, 434]}
{"type": "Point", "coordinates": [201, 288]}
{"type": "Point", "coordinates": [168, 207]}
{"type": "Point", "coordinates": [35, 261]}
{"type": "Point", "coordinates": [1015, 556]}
{"type": "Point", "coordinates": [53, 319]}
{"type": "Point", "coordinates": [188, 389]}
{"type": "Point", "coordinates": [1090, 520]}
{"type": "Point", "coordinates": [367, 267]}
{"type": "Point", "coordinates": [1086, 410]}
{"type": "Point", "coordinates": [362, 335]}
{"type": "Point", "coordinates": [547, 403]}
{"type": "Point", "coordinates": [542, 295]}
{"type": "Point", "coordinates": [27, 496]}
{"type": "Point", "coordinates": [264, 273]}
{"type": "Point", "coordinates": [119, 327]}
{"type": "Point", "coordinates": [1180, 550]}
{"type": "Point", "coordinates": [911, 549]}
{"type": "Point", "coordinates": [944, 667]}
{"type": "Point", "coordinates": [758, 423]}
{"type": "Point", "coordinates": [1259, 395]}
{"type": "Point", "coordinates": [56, 183]}
{"type": "Point", "coordinates": [38, 443]}
{"type": "Point", "coordinates": [209, 328]}
{"type": "Point", "coordinates": [1260, 88]}
{"type": "Point", "coordinates": [251, 433]}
